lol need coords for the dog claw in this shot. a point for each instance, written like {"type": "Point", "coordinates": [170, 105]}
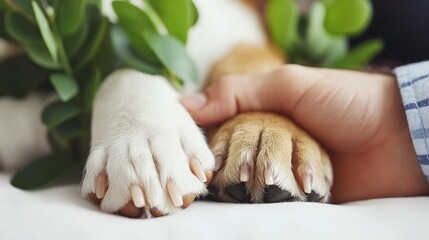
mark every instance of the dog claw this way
{"type": "Point", "coordinates": [137, 196]}
{"type": "Point", "coordinates": [306, 175]}
{"type": "Point", "coordinates": [269, 175]}
{"type": "Point", "coordinates": [198, 170]}
{"type": "Point", "coordinates": [174, 193]}
{"type": "Point", "coordinates": [218, 162]}
{"type": "Point", "coordinates": [100, 185]}
{"type": "Point", "coordinates": [244, 173]}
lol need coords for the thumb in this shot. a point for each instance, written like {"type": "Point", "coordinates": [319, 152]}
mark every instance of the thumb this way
{"type": "Point", "coordinates": [230, 95]}
{"type": "Point", "coordinates": [213, 106]}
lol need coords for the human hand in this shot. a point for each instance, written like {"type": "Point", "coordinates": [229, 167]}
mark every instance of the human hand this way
{"type": "Point", "coordinates": [357, 116]}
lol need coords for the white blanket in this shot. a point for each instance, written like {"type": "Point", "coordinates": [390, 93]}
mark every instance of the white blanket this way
{"type": "Point", "coordinates": [61, 213]}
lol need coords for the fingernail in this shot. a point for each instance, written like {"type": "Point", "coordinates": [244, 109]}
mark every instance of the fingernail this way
{"type": "Point", "coordinates": [100, 185]}
{"type": "Point", "coordinates": [218, 162]}
{"type": "Point", "coordinates": [194, 102]}
{"type": "Point", "coordinates": [198, 170]}
{"type": "Point", "coordinates": [269, 176]}
{"type": "Point", "coordinates": [137, 196]}
{"type": "Point", "coordinates": [244, 173]}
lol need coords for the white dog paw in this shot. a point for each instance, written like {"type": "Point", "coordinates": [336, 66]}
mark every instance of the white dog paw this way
{"type": "Point", "coordinates": [148, 158]}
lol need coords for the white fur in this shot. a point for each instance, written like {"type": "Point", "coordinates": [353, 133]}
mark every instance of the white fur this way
{"type": "Point", "coordinates": [138, 122]}
{"type": "Point", "coordinates": [222, 25]}
{"type": "Point", "coordinates": [140, 132]}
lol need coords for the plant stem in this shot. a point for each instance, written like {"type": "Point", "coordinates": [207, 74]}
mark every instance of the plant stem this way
{"type": "Point", "coordinates": [174, 80]}
{"type": "Point", "coordinates": [61, 51]}
{"type": "Point", "coordinates": [156, 20]}
{"type": "Point", "coordinates": [63, 57]}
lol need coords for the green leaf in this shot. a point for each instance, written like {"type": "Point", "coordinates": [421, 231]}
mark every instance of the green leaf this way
{"type": "Point", "coordinates": [58, 143]}
{"type": "Point", "coordinates": [23, 7]}
{"type": "Point", "coordinates": [96, 3]}
{"type": "Point", "coordinates": [282, 20]}
{"type": "Point", "coordinates": [65, 86]}
{"type": "Point", "coordinates": [70, 129]}
{"type": "Point", "coordinates": [337, 51]}
{"type": "Point", "coordinates": [70, 15]}
{"type": "Point", "coordinates": [322, 48]}
{"type": "Point", "coordinates": [3, 32]}
{"type": "Point", "coordinates": [194, 14]}
{"type": "Point", "coordinates": [90, 86]}
{"type": "Point", "coordinates": [45, 30]}
{"type": "Point", "coordinates": [98, 31]}
{"type": "Point", "coordinates": [4, 5]}
{"type": "Point", "coordinates": [28, 34]}
{"type": "Point", "coordinates": [74, 42]}
{"type": "Point", "coordinates": [41, 56]}
{"type": "Point", "coordinates": [361, 54]}
{"type": "Point", "coordinates": [348, 17]}
{"type": "Point", "coordinates": [177, 15]}
{"type": "Point", "coordinates": [135, 22]}
{"type": "Point", "coordinates": [172, 53]}
{"type": "Point", "coordinates": [43, 171]}
{"type": "Point", "coordinates": [122, 50]}
{"type": "Point", "coordinates": [59, 112]}
{"type": "Point", "coordinates": [16, 82]}
{"type": "Point", "coordinates": [22, 30]}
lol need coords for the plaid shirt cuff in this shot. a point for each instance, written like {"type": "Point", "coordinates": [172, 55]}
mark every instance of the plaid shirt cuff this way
{"type": "Point", "coordinates": [413, 82]}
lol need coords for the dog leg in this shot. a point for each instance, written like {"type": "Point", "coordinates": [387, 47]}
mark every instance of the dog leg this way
{"type": "Point", "coordinates": [148, 158]}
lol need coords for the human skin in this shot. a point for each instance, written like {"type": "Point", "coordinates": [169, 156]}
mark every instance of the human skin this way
{"type": "Point", "coordinates": [358, 117]}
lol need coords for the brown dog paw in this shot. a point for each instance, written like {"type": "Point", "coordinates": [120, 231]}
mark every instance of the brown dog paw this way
{"type": "Point", "coordinates": [267, 158]}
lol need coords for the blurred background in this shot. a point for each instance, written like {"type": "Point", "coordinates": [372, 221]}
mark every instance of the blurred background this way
{"type": "Point", "coordinates": [404, 27]}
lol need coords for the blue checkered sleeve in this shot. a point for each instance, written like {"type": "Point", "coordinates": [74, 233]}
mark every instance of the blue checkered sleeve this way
{"type": "Point", "coordinates": [413, 82]}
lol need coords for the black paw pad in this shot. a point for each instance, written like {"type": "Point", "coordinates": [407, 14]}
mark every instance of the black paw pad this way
{"type": "Point", "coordinates": [314, 197]}
{"type": "Point", "coordinates": [238, 192]}
{"type": "Point", "coordinates": [275, 194]}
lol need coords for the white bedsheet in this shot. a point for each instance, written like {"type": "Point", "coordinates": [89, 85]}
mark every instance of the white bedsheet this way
{"type": "Point", "coordinates": [60, 213]}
